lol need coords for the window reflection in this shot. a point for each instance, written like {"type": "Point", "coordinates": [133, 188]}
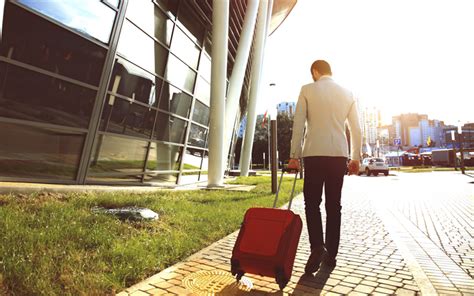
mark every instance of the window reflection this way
{"type": "Point", "coordinates": [151, 19]}
{"type": "Point", "coordinates": [36, 152]}
{"type": "Point", "coordinates": [88, 17]}
{"type": "Point", "coordinates": [203, 91]}
{"type": "Point", "coordinates": [184, 48]}
{"type": "Point", "coordinates": [135, 83]}
{"type": "Point", "coordinates": [175, 100]}
{"type": "Point", "coordinates": [117, 155]}
{"type": "Point", "coordinates": [29, 95]}
{"type": "Point", "coordinates": [197, 136]}
{"type": "Point", "coordinates": [123, 117]}
{"type": "Point", "coordinates": [193, 159]}
{"type": "Point", "coordinates": [142, 50]}
{"type": "Point", "coordinates": [162, 179]}
{"type": "Point", "coordinates": [163, 157]}
{"type": "Point", "coordinates": [33, 40]}
{"type": "Point", "coordinates": [169, 128]}
{"type": "Point", "coordinates": [201, 113]}
{"type": "Point", "coordinates": [179, 74]}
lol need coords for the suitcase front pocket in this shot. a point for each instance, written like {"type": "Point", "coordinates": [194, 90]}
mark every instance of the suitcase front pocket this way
{"type": "Point", "coordinates": [262, 237]}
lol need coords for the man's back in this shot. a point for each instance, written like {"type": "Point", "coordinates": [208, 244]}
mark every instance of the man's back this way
{"type": "Point", "coordinates": [324, 106]}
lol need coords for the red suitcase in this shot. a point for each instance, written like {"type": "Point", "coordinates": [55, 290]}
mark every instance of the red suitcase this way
{"type": "Point", "coordinates": [267, 242]}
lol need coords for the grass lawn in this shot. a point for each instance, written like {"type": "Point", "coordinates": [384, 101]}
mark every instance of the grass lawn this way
{"type": "Point", "coordinates": [52, 244]}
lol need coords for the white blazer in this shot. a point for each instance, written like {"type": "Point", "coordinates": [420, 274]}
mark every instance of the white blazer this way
{"type": "Point", "coordinates": [323, 107]}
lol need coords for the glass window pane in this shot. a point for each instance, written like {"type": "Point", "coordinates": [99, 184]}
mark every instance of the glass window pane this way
{"type": "Point", "coordinates": [169, 128]}
{"type": "Point", "coordinates": [203, 91]}
{"type": "Point", "coordinates": [184, 48]}
{"type": "Point", "coordinates": [117, 155]}
{"type": "Point", "coordinates": [146, 15]}
{"type": "Point", "coordinates": [164, 157]}
{"type": "Point", "coordinates": [201, 113]}
{"type": "Point", "coordinates": [179, 74]}
{"type": "Point", "coordinates": [191, 23]}
{"type": "Point", "coordinates": [37, 152]}
{"type": "Point", "coordinates": [28, 95]}
{"type": "Point", "coordinates": [205, 67]}
{"type": "Point", "coordinates": [31, 39]}
{"type": "Point", "coordinates": [175, 100]}
{"type": "Point", "coordinates": [135, 83]}
{"type": "Point", "coordinates": [114, 3]}
{"type": "Point", "coordinates": [198, 136]}
{"type": "Point", "coordinates": [142, 50]}
{"type": "Point", "coordinates": [88, 17]}
{"type": "Point", "coordinates": [124, 117]}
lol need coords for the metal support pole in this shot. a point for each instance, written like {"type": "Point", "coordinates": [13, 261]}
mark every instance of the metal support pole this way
{"type": "Point", "coordinates": [220, 28]}
{"type": "Point", "coordinates": [257, 65]}
{"type": "Point", "coordinates": [238, 72]}
{"type": "Point", "coordinates": [274, 160]}
{"type": "Point", "coordinates": [268, 143]}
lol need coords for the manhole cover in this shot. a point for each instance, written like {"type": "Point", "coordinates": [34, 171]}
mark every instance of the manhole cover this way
{"type": "Point", "coordinates": [216, 283]}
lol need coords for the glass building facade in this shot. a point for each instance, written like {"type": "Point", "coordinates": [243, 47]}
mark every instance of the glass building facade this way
{"type": "Point", "coordinates": [107, 91]}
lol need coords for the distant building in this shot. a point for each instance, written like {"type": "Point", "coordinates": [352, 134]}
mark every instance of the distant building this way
{"type": "Point", "coordinates": [371, 121]}
{"type": "Point", "coordinates": [416, 129]}
{"type": "Point", "coordinates": [467, 136]}
{"type": "Point", "coordinates": [404, 125]}
{"type": "Point", "coordinates": [287, 107]}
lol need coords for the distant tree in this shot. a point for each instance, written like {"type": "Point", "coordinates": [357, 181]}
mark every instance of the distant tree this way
{"type": "Point", "coordinates": [260, 142]}
{"type": "Point", "coordinates": [285, 131]}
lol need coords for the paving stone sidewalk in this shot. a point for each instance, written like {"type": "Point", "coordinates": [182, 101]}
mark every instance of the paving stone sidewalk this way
{"type": "Point", "coordinates": [382, 252]}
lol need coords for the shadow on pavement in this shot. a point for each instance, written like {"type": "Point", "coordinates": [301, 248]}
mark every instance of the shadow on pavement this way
{"type": "Point", "coordinates": [313, 284]}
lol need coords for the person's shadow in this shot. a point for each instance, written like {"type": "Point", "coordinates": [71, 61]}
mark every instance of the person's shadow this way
{"type": "Point", "coordinates": [313, 284]}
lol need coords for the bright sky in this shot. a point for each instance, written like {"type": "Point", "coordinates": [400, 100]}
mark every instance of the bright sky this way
{"type": "Point", "coordinates": [398, 55]}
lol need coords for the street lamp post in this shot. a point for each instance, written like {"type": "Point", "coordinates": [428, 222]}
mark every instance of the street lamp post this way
{"type": "Point", "coordinates": [460, 137]}
{"type": "Point", "coordinates": [453, 139]}
{"type": "Point", "coordinates": [273, 142]}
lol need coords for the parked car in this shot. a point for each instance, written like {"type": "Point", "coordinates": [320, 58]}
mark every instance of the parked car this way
{"type": "Point", "coordinates": [373, 166]}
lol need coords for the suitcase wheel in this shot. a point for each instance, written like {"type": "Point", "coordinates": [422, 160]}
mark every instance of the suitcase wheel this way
{"type": "Point", "coordinates": [239, 275]}
{"type": "Point", "coordinates": [235, 269]}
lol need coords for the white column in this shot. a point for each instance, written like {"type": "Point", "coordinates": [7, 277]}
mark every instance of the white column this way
{"type": "Point", "coordinates": [220, 29]}
{"type": "Point", "coordinates": [238, 73]}
{"type": "Point", "coordinates": [257, 63]}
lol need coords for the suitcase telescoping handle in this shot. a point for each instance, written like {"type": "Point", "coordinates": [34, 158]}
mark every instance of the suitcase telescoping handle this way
{"type": "Point", "coordinates": [279, 186]}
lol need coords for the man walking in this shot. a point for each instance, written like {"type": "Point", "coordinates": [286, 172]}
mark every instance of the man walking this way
{"type": "Point", "coordinates": [323, 108]}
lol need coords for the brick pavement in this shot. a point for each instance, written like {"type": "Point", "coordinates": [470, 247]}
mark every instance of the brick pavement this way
{"type": "Point", "coordinates": [388, 246]}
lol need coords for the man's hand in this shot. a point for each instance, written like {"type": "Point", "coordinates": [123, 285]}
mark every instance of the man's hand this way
{"type": "Point", "coordinates": [293, 165]}
{"type": "Point", "coordinates": [353, 167]}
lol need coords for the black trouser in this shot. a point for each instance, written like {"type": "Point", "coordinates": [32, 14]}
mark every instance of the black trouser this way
{"type": "Point", "coordinates": [329, 172]}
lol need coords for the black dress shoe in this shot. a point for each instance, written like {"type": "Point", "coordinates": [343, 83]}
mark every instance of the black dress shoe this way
{"type": "Point", "coordinates": [314, 260]}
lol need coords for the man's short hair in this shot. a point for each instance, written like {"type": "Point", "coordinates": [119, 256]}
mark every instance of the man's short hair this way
{"type": "Point", "coordinates": [322, 67]}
